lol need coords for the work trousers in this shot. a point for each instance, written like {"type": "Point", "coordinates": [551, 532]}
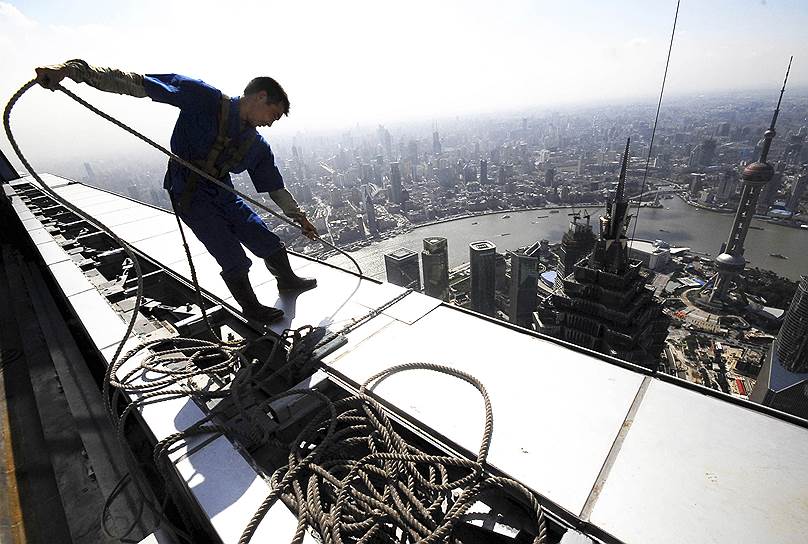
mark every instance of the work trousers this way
{"type": "Point", "coordinates": [223, 222]}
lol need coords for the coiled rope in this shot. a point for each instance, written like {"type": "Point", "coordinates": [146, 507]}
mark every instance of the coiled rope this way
{"type": "Point", "coordinates": [352, 477]}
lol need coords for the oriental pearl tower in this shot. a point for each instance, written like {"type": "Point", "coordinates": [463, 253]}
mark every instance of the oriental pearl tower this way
{"type": "Point", "coordinates": [716, 293]}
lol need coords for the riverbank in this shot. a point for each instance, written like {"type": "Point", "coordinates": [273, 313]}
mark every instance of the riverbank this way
{"type": "Point", "coordinates": [794, 224]}
{"type": "Point", "coordinates": [704, 206]}
{"type": "Point", "coordinates": [400, 231]}
{"type": "Point", "coordinates": [496, 212]}
{"type": "Point", "coordinates": [678, 224]}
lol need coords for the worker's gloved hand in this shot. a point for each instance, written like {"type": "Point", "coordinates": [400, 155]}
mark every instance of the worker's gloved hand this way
{"type": "Point", "coordinates": [309, 230]}
{"type": "Point", "coordinates": [50, 76]}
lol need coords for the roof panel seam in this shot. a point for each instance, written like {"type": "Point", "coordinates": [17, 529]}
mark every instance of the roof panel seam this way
{"type": "Point", "coordinates": [600, 481]}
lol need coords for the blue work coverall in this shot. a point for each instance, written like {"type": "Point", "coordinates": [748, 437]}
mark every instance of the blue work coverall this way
{"type": "Point", "coordinates": [221, 220]}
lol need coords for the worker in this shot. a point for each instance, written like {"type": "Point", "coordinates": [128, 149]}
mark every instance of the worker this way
{"type": "Point", "coordinates": [217, 134]}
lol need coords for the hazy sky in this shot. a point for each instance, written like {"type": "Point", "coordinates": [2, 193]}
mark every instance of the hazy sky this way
{"type": "Point", "coordinates": [346, 62]}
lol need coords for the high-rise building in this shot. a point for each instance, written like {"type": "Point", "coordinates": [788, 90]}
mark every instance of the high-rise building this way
{"type": "Point", "coordinates": [502, 175]}
{"type": "Point", "coordinates": [402, 268]}
{"type": "Point", "coordinates": [576, 244]}
{"type": "Point", "coordinates": [412, 151]}
{"type": "Point", "coordinates": [524, 277]}
{"type": "Point", "coordinates": [483, 258]}
{"type": "Point", "coordinates": [549, 176]}
{"type": "Point", "coordinates": [730, 262]}
{"type": "Point", "coordinates": [385, 140]}
{"type": "Point", "coordinates": [797, 191]}
{"type": "Point", "coordinates": [436, 147]}
{"type": "Point", "coordinates": [793, 150]}
{"type": "Point", "coordinates": [769, 193]}
{"type": "Point", "coordinates": [373, 223]}
{"type": "Point", "coordinates": [727, 185]}
{"type": "Point", "coordinates": [395, 183]}
{"type": "Point", "coordinates": [483, 171]}
{"type": "Point", "coordinates": [435, 264]}
{"type": "Point", "coordinates": [707, 152]}
{"type": "Point", "coordinates": [783, 380]}
{"type": "Point", "coordinates": [605, 304]}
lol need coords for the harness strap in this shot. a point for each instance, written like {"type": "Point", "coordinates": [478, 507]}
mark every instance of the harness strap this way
{"type": "Point", "coordinates": [220, 145]}
{"type": "Point", "coordinates": [237, 154]}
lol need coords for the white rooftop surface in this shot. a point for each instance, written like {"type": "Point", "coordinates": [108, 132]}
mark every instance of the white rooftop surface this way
{"type": "Point", "coordinates": [643, 459]}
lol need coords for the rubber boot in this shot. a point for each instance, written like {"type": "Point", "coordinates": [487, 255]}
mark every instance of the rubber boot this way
{"type": "Point", "coordinates": [240, 287]}
{"type": "Point", "coordinates": [278, 264]}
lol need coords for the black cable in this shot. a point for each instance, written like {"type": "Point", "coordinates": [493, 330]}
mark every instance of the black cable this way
{"type": "Point", "coordinates": [656, 120]}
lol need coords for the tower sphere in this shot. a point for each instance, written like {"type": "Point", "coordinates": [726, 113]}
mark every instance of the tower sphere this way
{"type": "Point", "coordinates": [758, 172]}
{"type": "Point", "coordinates": [725, 261]}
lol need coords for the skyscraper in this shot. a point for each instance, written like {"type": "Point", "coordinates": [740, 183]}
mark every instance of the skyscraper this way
{"type": "Point", "coordinates": [797, 190]}
{"type": "Point", "coordinates": [576, 244]}
{"type": "Point", "coordinates": [549, 176]}
{"type": "Point", "coordinates": [783, 379]}
{"type": "Point", "coordinates": [769, 193]}
{"type": "Point", "coordinates": [373, 223]}
{"type": "Point", "coordinates": [483, 257]}
{"type": "Point", "coordinates": [794, 148]}
{"type": "Point", "coordinates": [524, 277]}
{"type": "Point", "coordinates": [385, 140]}
{"type": "Point", "coordinates": [412, 151]}
{"type": "Point", "coordinates": [483, 171]}
{"type": "Point", "coordinates": [604, 304]}
{"type": "Point", "coordinates": [436, 147]}
{"type": "Point", "coordinates": [435, 263]}
{"type": "Point", "coordinates": [728, 183]}
{"type": "Point", "coordinates": [395, 183]}
{"type": "Point", "coordinates": [730, 263]}
{"type": "Point", "coordinates": [402, 268]}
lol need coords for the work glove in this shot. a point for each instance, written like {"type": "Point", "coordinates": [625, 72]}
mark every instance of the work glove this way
{"type": "Point", "coordinates": [309, 230]}
{"type": "Point", "coordinates": [50, 76]}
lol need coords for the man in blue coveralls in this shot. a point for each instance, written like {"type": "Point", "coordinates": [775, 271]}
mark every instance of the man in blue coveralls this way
{"type": "Point", "coordinates": [217, 134]}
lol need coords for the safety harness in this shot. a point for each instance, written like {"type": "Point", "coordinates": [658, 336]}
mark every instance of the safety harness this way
{"type": "Point", "coordinates": [224, 147]}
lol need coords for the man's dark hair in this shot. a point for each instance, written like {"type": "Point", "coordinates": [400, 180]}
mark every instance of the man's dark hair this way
{"type": "Point", "coordinates": [275, 93]}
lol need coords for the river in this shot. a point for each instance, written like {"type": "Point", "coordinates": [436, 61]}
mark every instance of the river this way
{"type": "Point", "coordinates": [677, 223]}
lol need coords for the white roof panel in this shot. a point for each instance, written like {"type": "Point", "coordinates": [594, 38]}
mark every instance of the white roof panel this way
{"type": "Point", "coordinates": [694, 468]}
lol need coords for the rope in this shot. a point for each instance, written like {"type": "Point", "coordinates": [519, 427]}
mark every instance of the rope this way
{"type": "Point", "coordinates": [353, 478]}
{"type": "Point", "coordinates": [656, 120]}
{"type": "Point", "coordinates": [350, 476]}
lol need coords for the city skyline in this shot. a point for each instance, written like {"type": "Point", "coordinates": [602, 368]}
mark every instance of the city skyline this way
{"type": "Point", "coordinates": [421, 65]}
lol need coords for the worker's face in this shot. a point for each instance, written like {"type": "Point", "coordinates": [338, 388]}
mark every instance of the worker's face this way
{"type": "Point", "coordinates": [263, 114]}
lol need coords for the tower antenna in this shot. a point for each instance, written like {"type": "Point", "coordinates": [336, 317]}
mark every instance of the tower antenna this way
{"type": "Point", "coordinates": [656, 120]}
{"type": "Point", "coordinates": [769, 136]}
